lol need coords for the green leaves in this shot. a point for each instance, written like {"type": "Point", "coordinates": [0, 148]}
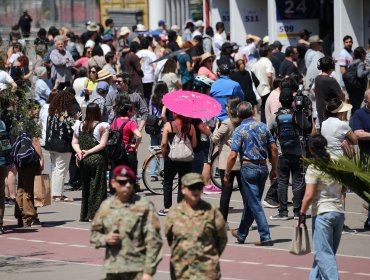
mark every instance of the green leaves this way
{"type": "Point", "coordinates": [352, 173]}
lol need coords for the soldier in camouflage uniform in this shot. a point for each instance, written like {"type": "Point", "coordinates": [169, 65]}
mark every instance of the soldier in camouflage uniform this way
{"type": "Point", "coordinates": [127, 225]}
{"type": "Point", "coordinates": [196, 232]}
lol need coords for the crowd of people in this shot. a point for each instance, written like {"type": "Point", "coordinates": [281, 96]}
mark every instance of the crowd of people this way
{"type": "Point", "coordinates": [78, 93]}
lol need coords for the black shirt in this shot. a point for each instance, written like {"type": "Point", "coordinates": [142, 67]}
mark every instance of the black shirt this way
{"type": "Point", "coordinates": [287, 68]}
{"type": "Point", "coordinates": [326, 88]}
{"type": "Point", "coordinates": [245, 81]}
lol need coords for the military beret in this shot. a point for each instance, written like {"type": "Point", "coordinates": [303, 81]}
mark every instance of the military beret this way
{"type": "Point", "coordinates": [123, 170]}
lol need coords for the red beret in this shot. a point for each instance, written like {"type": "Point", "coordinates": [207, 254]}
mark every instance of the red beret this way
{"type": "Point", "coordinates": [123, 170]}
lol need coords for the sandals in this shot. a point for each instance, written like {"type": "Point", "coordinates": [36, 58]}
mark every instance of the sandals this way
{"type": "Point", "coordinates": [62, 199]}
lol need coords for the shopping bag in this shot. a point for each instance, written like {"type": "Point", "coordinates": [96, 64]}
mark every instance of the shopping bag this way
{"type": "Point", "coordinates": [42, 195]}
{"type": "Point", "coordinates": [300, 242]}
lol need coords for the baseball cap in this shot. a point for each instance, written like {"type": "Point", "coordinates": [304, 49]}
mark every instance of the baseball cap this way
{"type": "Point", "coordinates": [102, 85]}
{"type": "Point", "coordinates": [192, 178]}
{"type": "Point", "coordinates": [123, 170]}
{"type": "Point", "coordinates": [277, 43]}
{"type": "Point", "coordinates": [107, 37]}
{"type": "Point", "coordinates": [199, 23]}
{"type": "Point", "coordinates": [161, 22]}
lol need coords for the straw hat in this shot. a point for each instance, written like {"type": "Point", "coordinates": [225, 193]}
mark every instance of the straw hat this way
{"type": "Point", "coordinates": [104, 74]}
{"type": "Point", "coordinates": [204, 57]}
{"type": "Point", "coordinates": [124, 30]}
{"type": "Point", "coordinates": [343, 107]}
{"type": "Point", "coordinates": [92, 27]}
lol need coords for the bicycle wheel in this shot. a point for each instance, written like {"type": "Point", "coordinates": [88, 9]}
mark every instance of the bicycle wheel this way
{"type": "Point", "coordinates": [215, 175]}
{"type": "Point", "coordinates": [153, 174]}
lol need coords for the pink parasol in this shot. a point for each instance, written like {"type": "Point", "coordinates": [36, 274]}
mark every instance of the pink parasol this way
{"type": "Point", "coordinates": [191, 104]}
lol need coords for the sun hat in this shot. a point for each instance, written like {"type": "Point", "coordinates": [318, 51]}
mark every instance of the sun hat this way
{"type": "Point", "coordinates": [199, 23]}
{"type": "Point", "coordinates": [314, 39]}
{"type": "Point", "coordinates": [93, 26]}
{"type": "Point", "coordinates": [204, 57]}
{"type": "Point", "coordinates": [104, 74]}
{"type": "Point", "coordinates": [192, 179]}
{"type": "Point", "coordinates": [124, 30]}
{"type": "Point", "coordinates": [343, 107]}
{"type": "Point", "coordinates": [266, 40]}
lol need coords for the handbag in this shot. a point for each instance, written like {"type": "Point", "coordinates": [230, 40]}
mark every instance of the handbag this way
{"type": "Point", "coordinates": [41, 188]}
{"type": "Point", "coordinates": [301, 241]}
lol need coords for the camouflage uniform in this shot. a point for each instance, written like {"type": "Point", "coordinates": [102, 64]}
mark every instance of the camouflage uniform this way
{"type": "Point", "coordinates": [140, 249]}
{"type": "Point", "coordinates": [197, 241]}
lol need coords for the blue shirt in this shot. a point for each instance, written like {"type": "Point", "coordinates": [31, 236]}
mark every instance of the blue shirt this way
{"type": "Point", "coordinates": [221, 90]}
{"type": "Point", "coordinates": [42, 91]}
{"type": "Point", "coordinates": [361, 121]}
{"type": "Point", "coordinates": [186, 76]}
{"type": "Point", "coordinates": [251, 139]}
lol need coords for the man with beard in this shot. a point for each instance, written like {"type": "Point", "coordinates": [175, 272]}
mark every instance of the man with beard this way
{"type": "Point", "coordinates": [345, 56]}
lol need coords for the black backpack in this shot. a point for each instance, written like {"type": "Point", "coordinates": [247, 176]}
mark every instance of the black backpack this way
{"type": "Point", "coordinates": [286, 132]}
{"type": "Point", "coordinates": [153, 125]}
{"type": "Point", "coordinates": [24, 154]}
{"type": "Point", "coordinates": [116, 149]}
{"type": "Point", "coordinates": [350, 79]}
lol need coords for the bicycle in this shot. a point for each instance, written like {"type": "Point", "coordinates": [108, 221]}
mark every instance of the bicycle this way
{"type": "Point", "coordinates": [153, 173]}
{"type": "Point", "coordinates": [215, 175]}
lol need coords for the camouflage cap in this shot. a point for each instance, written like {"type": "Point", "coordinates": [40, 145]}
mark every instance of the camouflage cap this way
{"type": "Point", "coordinates": [191, 179]}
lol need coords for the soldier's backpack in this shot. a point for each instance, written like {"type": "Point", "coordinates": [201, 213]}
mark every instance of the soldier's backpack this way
{"type": "Point", "coordinates": [286, 132]}
{"type": "Point", "coordinates": [350, 79]}
{"type": "Point", "coordinates": [116, 149]}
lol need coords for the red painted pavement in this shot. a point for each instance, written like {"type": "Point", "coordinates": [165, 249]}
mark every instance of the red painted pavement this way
{"type": "Point", "coordinates": [259, 262]}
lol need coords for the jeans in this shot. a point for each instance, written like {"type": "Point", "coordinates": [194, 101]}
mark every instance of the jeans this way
{"type": "Point", "coordinates": [198, 162]}
{"type": "Point", "coordinates": [155, 140]}
{"type": "Point", "coordinates": [60, 162]}
{"type": "Point", "coordinates": [326, 233]}
{"type": "Point", "coordinates": [291, 164]}
{"type": "Point", "coordinates": [228, 190]}
{"type": "Point", "coordinates": [254, 177]}
{"type": "Point", "coordinates": [171, 168]}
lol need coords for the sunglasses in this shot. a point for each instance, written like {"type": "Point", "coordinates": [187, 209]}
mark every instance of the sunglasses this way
{"type": "Point", "coordinates": [196, 187]}
{"type": "Point", "coordinates": [124, 182]}
{"type": "Point", "coordinates": [120, 82]}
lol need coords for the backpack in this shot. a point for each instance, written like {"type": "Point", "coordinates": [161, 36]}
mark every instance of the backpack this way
{"type": "Point", "coordinates": [116, 149]}
{"type": "Point", "coordinates": [153, 125]}
{"type": "Point", "coordinates": [180, 148]}
{"type": "Point", "coordinates": [350, 79]}
{"type": "Point", "coordinates": [24, 154]}
{"type": "Point", "coordinates": [286, 131]}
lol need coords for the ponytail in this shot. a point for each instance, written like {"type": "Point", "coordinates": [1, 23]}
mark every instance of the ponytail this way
{"type": "Point", "coordinates": [317, 145]}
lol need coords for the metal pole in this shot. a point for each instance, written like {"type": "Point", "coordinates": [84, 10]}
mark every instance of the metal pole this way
{"type": "Point", "coordinates": [72, 13]}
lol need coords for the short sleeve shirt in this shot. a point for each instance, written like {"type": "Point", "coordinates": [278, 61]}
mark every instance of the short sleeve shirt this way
{"type": "Point", "coordinates": [261, 68]}
{"type": "Point", "coordinates": [328, 197]}
{"type": "Point", "coordinates": [251, 139]}
{"type": "Point", "coordinates": [128, 131]}
{"type": "Point", "coordinates": [361, 121]}
{"type": "Point", "coordinates": [96, 132]}
{"type": "Point", "coordinates": [170, 79]}
{"type": "Point", "coordinates": [334, 130]}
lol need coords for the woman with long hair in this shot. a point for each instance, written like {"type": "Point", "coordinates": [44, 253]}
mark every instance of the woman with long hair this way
{"type": "Point", "coordinates": [124, 111]}
{"type": "Point", "coordinates": [186, 66]}
{"type": "Point", "coordinates": [83, 61]}
{"type": "Point", "coordinates": [221, 137]}
{"type": "Point", "coordinates": [59, 131]}
{"type": "Point", "coordinates": [327, 213]}
{"type": "Point", "coordinates": [247, 80]}
{"type": "Point", "coordinates": [92, 80]}
{"type": "Point", "coordinates": [169, 75]}
{"type": "Point", "coordinates": [90, 138]}
{"type": "Point", "coordinates": [181, 126]}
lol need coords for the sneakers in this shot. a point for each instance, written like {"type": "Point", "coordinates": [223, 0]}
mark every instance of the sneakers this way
{"type": "Point", "coordinates": [347, 229]}
{"type": "Point", "coordinates": [269, 203]}
{"type": "Point", "coordinates": [37, 222]}
{"type": "Point", "coordinates": [234, 232]}
{"type": "Point", "coordinates": [210, 189]}
{"type": "Point", "coordinates": [2, 231]}
{"type": "Point", "coordinates": [162, 212]}
{"type": "Point", "coordinates": [279, 216]}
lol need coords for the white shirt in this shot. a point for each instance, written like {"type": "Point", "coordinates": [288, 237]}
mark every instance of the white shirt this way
{"type": "Point", "coordinates": [335, 130]}
{"type": "Point", "coordinates": [261, 68]}
{"type": "Point", "coordinates": [106, 49]}
{"type": "Point", "coordinates": [96, 133]}
{"type": "Point", "coordinates": [44, 113]}
{"type": "Point", "coordinates": [146, 57]}
{"type": "Point", "coordinates": [195, 33]}
{"type": "Point", "coordinates": [5, 79]}
{"type": "Point", "coordinates": [218, 41]}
